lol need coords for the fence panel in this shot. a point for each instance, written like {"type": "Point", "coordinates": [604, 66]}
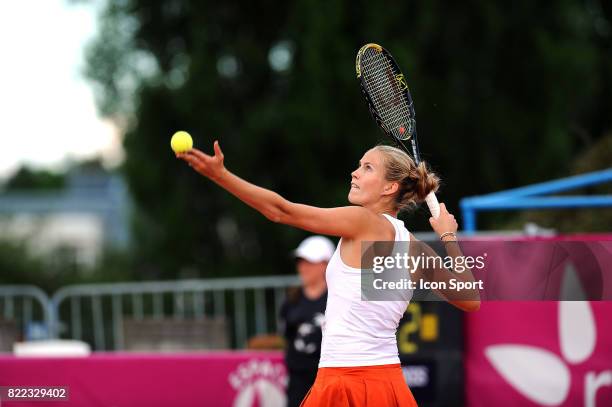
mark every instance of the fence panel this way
{"type": "Point", "coordinates": [98, 313]}
{"type": "Point", "coordinates": [25, 313]}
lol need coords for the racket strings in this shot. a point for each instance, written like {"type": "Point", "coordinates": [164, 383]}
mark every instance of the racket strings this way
{"type": "Point", "coordinates": [388, 98]}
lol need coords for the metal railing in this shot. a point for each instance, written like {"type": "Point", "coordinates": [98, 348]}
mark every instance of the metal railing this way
{"type": "Point", "coordinates": [25, 304]}
{"type": "Point", "coordinates": [96, 312]}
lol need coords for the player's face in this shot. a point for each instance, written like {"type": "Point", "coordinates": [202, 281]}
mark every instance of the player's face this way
{"type": "Point", "coordinates": [368, 183]}
{"type": "Point", "coordinates": [311, 273]}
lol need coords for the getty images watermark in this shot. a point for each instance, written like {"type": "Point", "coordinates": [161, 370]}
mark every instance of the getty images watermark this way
{"type": "Point", "coordinates": [391, 271]}
{"type": "Point", "coordinates": [487, 270]}
{"type": "Point", "coordinates": [427, 263]}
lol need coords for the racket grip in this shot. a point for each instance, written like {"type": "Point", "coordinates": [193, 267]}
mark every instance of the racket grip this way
{"type": "Point", "coordinates": [432, 203]}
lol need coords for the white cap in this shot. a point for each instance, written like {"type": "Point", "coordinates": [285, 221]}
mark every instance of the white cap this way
{"type": "Point", "coordinates": [315, 249]}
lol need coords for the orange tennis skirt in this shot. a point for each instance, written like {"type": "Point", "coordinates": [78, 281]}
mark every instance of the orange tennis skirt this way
{"type": "Point", "coordinates": [359, 386]}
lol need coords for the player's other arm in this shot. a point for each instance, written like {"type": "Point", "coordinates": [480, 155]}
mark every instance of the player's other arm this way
{"type": "Point", "coordinates": [347, 221]}
{"type": "Point", "coordinates": [468, 299]}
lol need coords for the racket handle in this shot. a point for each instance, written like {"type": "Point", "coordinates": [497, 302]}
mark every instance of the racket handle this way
{"type": "Point", "coordinates": [432, 203]}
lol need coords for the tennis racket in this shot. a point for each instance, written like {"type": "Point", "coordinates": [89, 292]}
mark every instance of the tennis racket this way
{"type": "Point", "coordinates": [386, 92]}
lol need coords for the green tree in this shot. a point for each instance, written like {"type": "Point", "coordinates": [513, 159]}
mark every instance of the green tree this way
{"type": "Point", "coordinates": [18, 265]}
{"type": "Point", "coordinates": [505, 94]}
{"type": "Point", "coordinates": [27, 178]}
{"type": "Point", "coordinates": [577, 220]}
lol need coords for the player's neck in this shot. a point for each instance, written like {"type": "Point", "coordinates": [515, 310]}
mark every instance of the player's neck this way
{"type": "Point", "coordinates": [383, 208]}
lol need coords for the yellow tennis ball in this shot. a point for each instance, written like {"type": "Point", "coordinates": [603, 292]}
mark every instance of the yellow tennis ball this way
{"type": "Point", "coordinates": [181, 142]}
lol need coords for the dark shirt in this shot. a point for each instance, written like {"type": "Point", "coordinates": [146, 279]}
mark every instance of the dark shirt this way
{"type": "Point", "coordinates": [302, 319]}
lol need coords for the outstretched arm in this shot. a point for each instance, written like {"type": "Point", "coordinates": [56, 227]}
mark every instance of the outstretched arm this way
{"type": "Point", "coordinates": [349, 221]}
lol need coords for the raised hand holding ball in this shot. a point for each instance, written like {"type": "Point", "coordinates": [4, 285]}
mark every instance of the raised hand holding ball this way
{"type": "Point", "coordinates": [181, 142]}
{"type": "Point", "coordinates": [211, 166]}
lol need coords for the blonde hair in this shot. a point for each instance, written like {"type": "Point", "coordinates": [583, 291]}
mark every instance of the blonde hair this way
{"type": "Point", "coordinates": [415, 181]}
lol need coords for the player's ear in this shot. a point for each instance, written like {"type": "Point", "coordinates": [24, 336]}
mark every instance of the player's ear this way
{"type": "Point", "coordinates": [391, 188]}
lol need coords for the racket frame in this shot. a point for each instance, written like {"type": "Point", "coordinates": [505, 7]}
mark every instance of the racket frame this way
{"type": "Point", "coordinates": [431, 199]}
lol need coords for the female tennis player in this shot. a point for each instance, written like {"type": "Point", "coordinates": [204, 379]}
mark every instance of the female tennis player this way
{"type": "Point", "coordinates": [359, 363]}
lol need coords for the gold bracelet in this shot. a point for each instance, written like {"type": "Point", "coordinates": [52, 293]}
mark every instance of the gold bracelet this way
{"type": "Point", "coordinates": [443, 235]}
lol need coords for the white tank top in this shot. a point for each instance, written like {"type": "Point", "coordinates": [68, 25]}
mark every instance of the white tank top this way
{"type": "Point", "coordinates": [356, 332]}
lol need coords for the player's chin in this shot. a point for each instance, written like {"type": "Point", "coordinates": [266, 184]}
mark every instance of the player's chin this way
{"type": "Point", "coordinates": [353, 197]}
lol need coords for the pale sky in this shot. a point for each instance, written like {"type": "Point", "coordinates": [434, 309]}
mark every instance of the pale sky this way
{"type": "Point", "coordinates": [47, 110]}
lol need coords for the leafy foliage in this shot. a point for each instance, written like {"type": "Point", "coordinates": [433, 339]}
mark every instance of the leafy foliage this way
{"type": "Point", "coordinates": [506, 93]}
{"type": "Point", "coordinates": [28, 178]}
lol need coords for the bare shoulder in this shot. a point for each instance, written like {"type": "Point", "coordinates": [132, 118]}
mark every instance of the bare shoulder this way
{"type": "Point", "coordinates": [381, 229]}
{"type": "Point", "coordinates": [372, 226]}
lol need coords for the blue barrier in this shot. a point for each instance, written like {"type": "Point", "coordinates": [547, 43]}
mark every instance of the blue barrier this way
{"type": "Point", "coordinates": [527, 197]}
